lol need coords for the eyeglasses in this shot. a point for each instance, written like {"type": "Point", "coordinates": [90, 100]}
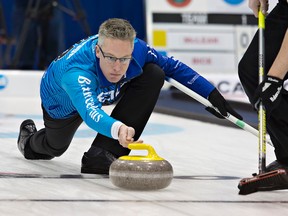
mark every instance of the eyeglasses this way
{"type": "Point", "coordinates": [112, 59]}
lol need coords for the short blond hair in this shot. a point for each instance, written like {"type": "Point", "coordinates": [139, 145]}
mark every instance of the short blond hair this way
{"type": "Point", "coordinates": [116, 28]}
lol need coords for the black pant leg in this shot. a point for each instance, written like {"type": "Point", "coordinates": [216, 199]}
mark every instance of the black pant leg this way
{"type": "Point", "coordinates": [277, 124]}
{"type": "Point", "coordinates": [277, 127]}
{"type": "Point", "coordinates": [57, 135]}
{"type": "Point", "coordinates": [135, 106]}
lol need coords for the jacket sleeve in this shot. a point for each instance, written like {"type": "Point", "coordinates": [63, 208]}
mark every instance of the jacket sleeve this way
{"type": "Point", "coordinates": [82, 90]}
{"type": "Point", "coordinates": [181, 72]}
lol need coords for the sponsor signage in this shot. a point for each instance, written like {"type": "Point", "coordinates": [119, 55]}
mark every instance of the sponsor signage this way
{"type": "Point", "coordinates": [210, 36]}
{"type": "Point", "coordinates": [3, 81]}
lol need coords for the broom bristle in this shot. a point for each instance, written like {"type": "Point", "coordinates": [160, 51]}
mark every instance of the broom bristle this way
{"type": "Point", "coordinates": [273, 180]}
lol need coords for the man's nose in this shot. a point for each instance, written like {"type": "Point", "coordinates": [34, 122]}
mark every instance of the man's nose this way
{"type": "Point", "coordinates": [117, 65]}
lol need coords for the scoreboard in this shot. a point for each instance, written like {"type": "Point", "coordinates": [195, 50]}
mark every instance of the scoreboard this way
{"type": "Point", "coordinates": [210, 36]}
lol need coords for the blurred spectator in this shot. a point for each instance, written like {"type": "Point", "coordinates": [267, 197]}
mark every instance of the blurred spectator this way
{"type": "Point", "coordinates": [3, 32]}
{"type": "Point", "coordinates": [45, 33]}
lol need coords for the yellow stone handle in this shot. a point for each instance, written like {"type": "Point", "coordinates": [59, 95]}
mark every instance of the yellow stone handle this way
{"type": "Point", "coordinates": [152, 155]}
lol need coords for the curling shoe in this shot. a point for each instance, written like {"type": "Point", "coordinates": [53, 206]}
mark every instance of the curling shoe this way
{"type": "Point", "coordinates": [97, 161]}
{"type": "Point", "coordinates": [276, 165]}
{"type": "Point", "coordinates": [28, 129]}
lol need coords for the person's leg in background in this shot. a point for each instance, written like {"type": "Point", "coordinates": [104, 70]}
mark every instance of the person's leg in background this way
{"type": "Point", "coordinates": [26, 59]}
{"type": "Point", "coordinates": [52, 37]}
{"type": "Point", "coordinates": [277, 124]}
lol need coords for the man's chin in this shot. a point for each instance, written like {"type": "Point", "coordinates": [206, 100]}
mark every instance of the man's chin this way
{"type": "Point", "coordinates": [114, 80]}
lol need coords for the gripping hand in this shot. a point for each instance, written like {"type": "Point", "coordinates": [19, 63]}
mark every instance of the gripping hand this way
{"type": "Point", "coordinates": [269, 93]}
{"type": "Point", "coordinates": [218, 101]}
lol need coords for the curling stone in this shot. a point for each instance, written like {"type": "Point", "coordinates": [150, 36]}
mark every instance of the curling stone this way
{"type": "Point", "coordinates": [137, 172]}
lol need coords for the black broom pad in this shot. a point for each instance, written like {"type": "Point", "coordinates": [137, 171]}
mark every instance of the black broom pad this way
{"type": "Point", "coordinates": [273, 180]}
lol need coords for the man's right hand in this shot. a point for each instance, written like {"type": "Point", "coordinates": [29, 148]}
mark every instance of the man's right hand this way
{"type": "Point", "coordinates": [256, 4]}
{"type": "Point", "coordinates": [126, 135]}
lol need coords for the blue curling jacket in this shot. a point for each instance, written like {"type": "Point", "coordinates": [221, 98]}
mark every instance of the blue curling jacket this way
{"type": "Point", "coordinates": [74, 82]}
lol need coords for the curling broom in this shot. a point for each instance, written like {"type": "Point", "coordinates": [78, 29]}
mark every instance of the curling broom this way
{"type": "Point", "coordinates": [205, 102]}
{"type": "Point", "coordinates": [264, 181]}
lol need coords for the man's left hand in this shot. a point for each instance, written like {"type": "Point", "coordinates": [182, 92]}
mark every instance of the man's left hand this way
{"type": "Point", "coordinates": [269, 93]}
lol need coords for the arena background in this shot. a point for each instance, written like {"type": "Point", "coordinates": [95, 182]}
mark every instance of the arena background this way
{"type": "Point", "coordinates": [96, 12]}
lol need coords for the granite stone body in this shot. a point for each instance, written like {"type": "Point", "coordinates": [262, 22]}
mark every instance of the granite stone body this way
{"type": "Point", "coordinates": [141, 174]}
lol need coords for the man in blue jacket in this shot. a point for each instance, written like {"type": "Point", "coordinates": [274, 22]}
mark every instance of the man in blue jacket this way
{"type": "Point", "coordinates": [113, 66]}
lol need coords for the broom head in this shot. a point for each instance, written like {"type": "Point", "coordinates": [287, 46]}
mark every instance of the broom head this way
{"type": "Point", "coordinates": [273, 180]}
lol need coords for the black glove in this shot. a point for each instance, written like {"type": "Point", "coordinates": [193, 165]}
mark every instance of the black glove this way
{"type": "Point", "coordinates": [269, 93]}
{"type": "Point", "coordinates": [218, 101]}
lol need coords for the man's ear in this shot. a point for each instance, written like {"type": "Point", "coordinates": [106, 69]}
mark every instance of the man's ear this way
{"type": "Point", "coordinates": [97, 51]}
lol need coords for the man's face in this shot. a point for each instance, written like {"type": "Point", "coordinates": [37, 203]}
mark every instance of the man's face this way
{"type": "Point", "coordinates": [114, 57]}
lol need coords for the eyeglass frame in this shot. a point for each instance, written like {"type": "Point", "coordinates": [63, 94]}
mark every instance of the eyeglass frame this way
{"type": "Point", "coordinates": [113, 60]}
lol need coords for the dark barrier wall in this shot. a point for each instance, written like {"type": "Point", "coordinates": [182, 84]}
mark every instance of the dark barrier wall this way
{"type": "Point", "coordinates": [96, 12]}
{"type": "Point", "coordinates": [99, 10]}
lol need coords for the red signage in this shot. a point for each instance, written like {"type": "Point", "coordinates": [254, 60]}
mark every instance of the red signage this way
{"type": "Point", "coordinates": [179, 3]}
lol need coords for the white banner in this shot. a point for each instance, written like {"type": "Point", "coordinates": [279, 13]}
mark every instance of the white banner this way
{"type": "Point", "coordinates": [20, 91]}
{"type": "Point", "coordinates": [209, 62]}
{"type": "Point", "coordinates": [201, 40]}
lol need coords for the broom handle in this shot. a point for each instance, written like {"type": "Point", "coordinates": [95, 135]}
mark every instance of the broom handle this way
{"type": "Point", "coordinates": [261, 111]}
{"type": "Point", "coordinates": [207, 103]}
